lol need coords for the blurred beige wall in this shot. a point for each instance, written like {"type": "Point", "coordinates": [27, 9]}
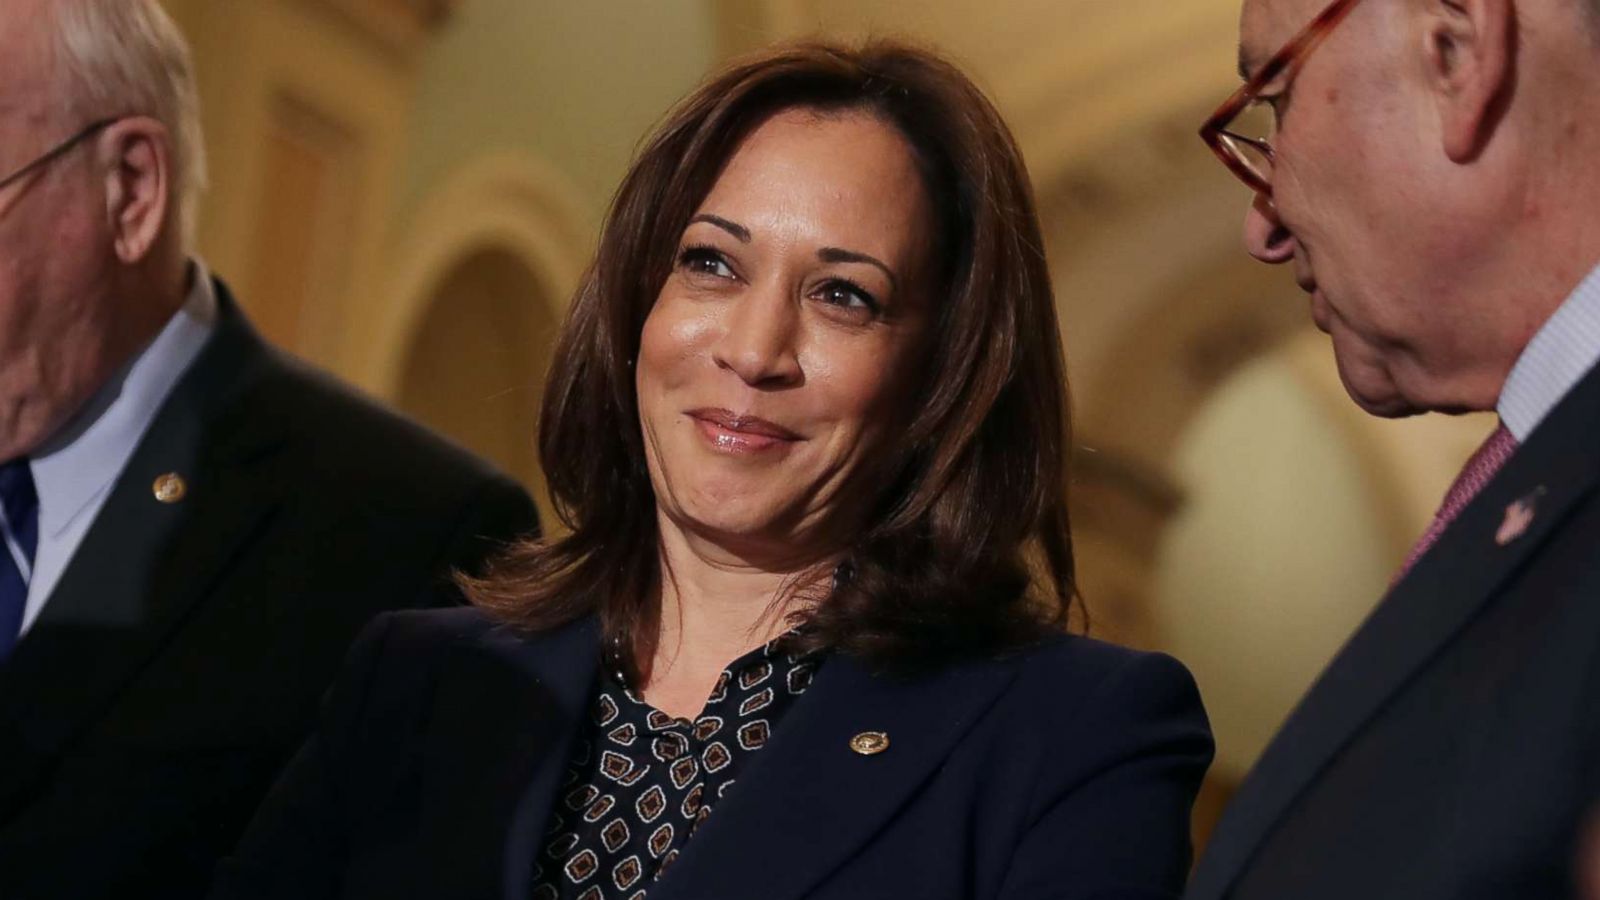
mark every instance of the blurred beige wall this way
{"type": "Point", "coordinates": [1297, 515]}
{"type": "Point", "coordinates": [406, 191]}
{"type": "Point", "coordinates": [573, 86]}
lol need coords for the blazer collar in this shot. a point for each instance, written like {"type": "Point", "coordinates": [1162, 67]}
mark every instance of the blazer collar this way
{"type": "Point", "coordinates": [144, 562]}
{"type": "Point", "coordinates": [1471, 563]}
{"type": "Point", "coordinates": [508, 710]}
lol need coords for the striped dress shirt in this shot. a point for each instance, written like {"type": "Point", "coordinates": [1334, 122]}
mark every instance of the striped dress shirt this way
{"type": "Point", "coordinates": [1564, 349]}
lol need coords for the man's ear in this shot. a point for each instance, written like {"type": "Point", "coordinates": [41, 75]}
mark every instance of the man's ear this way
{"type": "Point", "coordinates": [1471, 63]}
{"type": "Point", "coordinates": [139, 178]}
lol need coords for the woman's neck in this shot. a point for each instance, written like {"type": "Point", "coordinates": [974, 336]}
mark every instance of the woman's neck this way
{"type": "Point", "coordinates": [715, 608]}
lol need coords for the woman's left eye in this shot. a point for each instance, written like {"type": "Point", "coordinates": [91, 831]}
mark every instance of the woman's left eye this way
{"type": "Point", "coordinates": [845, 294]}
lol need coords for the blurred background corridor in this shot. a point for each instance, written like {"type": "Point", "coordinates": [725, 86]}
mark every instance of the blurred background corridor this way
{"type": "Point", "coordinates": [405, 191]}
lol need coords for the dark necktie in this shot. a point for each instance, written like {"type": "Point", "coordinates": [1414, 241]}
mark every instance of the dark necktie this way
{"type": "Point", "coordinates": [19, 537]}
{"type": "Point", "coordinates": [1474, 475]}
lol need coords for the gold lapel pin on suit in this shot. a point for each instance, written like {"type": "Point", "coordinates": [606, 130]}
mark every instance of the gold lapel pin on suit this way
{"type": "Point", "coordinates": [870, 743]}
{"type": "Point", "coordinates": [170, 488]}
{"type": "Point", "coordinates": [1519, 517]}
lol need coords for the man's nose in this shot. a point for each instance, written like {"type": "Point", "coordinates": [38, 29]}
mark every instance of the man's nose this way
{"type": "Point", "coordinates": [1265, 237]}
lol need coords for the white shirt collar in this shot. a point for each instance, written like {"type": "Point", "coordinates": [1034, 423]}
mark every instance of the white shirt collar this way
{"type": "Point", "coordinates": [1564, 349]}
{"type": "Point", "coordinates": [79, 463]}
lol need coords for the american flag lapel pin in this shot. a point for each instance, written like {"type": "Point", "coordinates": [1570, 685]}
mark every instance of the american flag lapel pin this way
{"type": "Point", "coordinates": [1519, 516]}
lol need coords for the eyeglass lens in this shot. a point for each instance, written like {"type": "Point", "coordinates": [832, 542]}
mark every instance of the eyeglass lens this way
{"type": "Point", "coordinates": [1256, 123]}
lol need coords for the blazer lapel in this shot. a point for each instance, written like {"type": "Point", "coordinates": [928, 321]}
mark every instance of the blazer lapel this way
{"type": "Point", "coordinates": [504, 718]}
{"type": "Point", "coordinates": [808, 788]}
{"type": "Point", "coordinates": [144, 562]}
{"type": "Point", "coordinates": [1420, 616]}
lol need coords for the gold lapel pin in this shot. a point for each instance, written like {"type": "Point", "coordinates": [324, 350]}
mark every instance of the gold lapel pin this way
{"type": "Point", "coordinates": [870, 743]}
{"type": "Point", "coordinates": [170, 488]}
{"type": "Point", "coordinates": [1519, 517]}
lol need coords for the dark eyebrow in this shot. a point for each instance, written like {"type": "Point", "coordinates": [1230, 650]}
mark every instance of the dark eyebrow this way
{"type": "Point", "coordinates": [837, 255]}
{"type": "Point", "coordinates": [733, 228]}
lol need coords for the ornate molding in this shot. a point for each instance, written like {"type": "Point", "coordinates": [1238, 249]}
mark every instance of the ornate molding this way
{"type": "Point", "coordinates": [401, 26]}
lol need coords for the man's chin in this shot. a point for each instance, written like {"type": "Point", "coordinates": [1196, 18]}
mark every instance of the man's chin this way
{"type": "Point", "coordinates": [27, 426]}
{"type": "Point", "coordinates": [18, 436]}
{"type": "Point", "coordinates": [1376, 394]}
{"type": "Point", "coordinates": [1386, 408]}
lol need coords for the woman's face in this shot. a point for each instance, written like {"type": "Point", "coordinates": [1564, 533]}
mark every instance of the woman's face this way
{"type": "Point", "coordinates": [774, 367]}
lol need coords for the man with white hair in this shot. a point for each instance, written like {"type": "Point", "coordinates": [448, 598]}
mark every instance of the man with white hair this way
{"type": "Point", "coordinates": [192, 526]}
{"type": "Point", "coordinates": [1428, 170]}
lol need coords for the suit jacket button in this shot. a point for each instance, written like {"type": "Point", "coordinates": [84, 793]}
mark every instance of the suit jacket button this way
{"type": "Point", "coordinates": [170, 488]}
{"type": "Point", "coordinates": [869, 743]}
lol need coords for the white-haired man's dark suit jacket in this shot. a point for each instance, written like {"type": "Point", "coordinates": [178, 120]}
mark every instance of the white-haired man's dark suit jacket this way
{"type": "Point", "coordinates": [182, 656]}
{"type": "Point", "coordinates": [1452, 748]}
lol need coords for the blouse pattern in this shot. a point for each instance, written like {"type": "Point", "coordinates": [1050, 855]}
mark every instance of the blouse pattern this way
{"type": "Point", "coordinates": [641, 782]}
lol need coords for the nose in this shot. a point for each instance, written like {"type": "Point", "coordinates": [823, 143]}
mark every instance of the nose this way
{"type": "Point", "coordinates": [758, 339]}
{"type": "Point", "coordinates": [1265, 236]}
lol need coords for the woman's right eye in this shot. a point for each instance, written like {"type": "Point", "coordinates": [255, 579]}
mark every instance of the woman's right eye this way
{"type": "Point", "coordinates": [705, 261]}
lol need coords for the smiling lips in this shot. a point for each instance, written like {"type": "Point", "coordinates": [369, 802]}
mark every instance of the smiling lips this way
{"type": "Point", "coordinates": [731, 433]}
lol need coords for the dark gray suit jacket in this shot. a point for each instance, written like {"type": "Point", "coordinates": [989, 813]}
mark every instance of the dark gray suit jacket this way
{"type": "Point", "coordinates": [181, 658]}
{"type": "Point", "coordinates": [1452, 748]}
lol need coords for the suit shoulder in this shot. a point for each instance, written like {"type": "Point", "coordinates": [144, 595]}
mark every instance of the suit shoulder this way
{"type": "Point", "coordinates": [409, 629]}
{"type": "Point", "coordinates": [1087, 660]}
{"type": "Point", "coordinates": [1083, 677]}
{"type": "Point", "coordinates": [341, 423]}
{"type": "Point", "coordinates": [402, 649]}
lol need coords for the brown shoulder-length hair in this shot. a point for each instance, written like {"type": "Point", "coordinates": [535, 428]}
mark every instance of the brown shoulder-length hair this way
{"type": "Point", "coordinates": [969, 550]}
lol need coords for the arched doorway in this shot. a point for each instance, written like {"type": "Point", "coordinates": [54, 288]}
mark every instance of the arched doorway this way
{"type": "Point", "coordinates": [479, 284]}
{"type": "Point", "coordinates": [475, 366]}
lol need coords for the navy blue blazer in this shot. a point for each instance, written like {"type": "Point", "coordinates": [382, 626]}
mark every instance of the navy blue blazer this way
{"type": "Point", "coordinates": [1451, 751]}
{"type": "Point", "coordinates": [1063, 771]}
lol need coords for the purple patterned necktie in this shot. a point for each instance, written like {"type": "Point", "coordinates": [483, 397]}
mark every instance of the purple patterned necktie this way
{"type": "Point", "coordinates": [1474, 475]}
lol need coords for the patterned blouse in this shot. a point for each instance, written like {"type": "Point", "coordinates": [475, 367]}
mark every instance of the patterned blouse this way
{"type": "Point", "coordinates": [641, 781]}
